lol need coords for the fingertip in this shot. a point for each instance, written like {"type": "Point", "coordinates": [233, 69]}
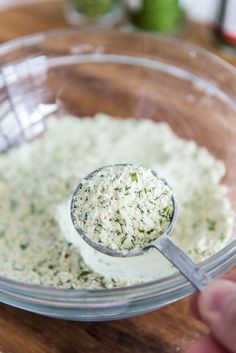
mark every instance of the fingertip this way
{"type": "Point", "coordinates": [230, 276]}
{"type": "Point", "coordinates": [215, 297]}
{"type": "Point", "coordinates": [217, 306]}
{"type": "Point", "coordinates": [205, 345]}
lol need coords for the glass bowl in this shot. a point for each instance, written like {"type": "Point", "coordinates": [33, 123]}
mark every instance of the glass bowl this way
{"type": "Point", "coordinates": [126, 75]}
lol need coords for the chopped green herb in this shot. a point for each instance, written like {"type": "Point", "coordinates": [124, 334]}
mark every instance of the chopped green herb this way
{"type": "Point", "coordinates": [153, 203]}
{"type": "Point", "coordinates": [24, 246]}
{"type": "Point", "coordinates": [166, 211]}
{"type": "Point", "coordinates": [123, 240]}
{"type": "Point", "coordinates": [103, 283]}
{"type": "Point", "coordinates": [134, 176]}
{"type": "Point", "coordinates": [83, 273]}
{"type": "Point", "coordinates": [150, 231]}
{"type": "Point", "coordinates": [140, 209]}
{"type": "Point", "coordinates": [114, 282]}
{"type": "Point", "coordinates": [117, 220]}
{"type": "Point", "coordinates": [211, 225]}
{"type": "Point", "coordinates": [222, 236]}
{"type": "Point", "coordinates": [132, 241]}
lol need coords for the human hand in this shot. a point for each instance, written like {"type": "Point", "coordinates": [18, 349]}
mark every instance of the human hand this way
{"type": "Point", "coordinates": [216, 307]}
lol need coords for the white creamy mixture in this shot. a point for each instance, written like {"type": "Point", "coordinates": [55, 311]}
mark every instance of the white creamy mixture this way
{"type": "Point", "coordinates": [38, 243]}
{"type": "Point", "coordinates": [123, 207]}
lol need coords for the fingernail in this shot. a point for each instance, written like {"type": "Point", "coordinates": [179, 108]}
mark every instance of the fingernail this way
{"type": "Point", "coordinates": [214, 298]}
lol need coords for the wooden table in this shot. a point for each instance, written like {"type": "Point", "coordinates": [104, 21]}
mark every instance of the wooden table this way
{"type": "Point", "coordinates": [168, 330]}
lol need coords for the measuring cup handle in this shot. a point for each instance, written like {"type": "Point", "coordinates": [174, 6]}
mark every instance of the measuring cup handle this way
{"type": "Point", "coordinates": [183, 262]}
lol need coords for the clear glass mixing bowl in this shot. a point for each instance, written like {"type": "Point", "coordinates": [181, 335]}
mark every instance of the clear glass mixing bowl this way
{"type": "Point", "coordinates": [122, 74]}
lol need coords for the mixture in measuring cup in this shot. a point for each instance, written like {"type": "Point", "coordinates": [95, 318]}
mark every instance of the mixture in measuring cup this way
{"type": "Point", "coordinates": [123, 207]}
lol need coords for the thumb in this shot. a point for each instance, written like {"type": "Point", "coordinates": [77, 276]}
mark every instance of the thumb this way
{"type": "Point", "coordinates": [217, 306]}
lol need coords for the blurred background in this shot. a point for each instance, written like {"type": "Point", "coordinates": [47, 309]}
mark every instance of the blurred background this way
{"type": "Point", "coordinates": [208, 23]}
{"type": "Point", "coordinates": [201, 10]}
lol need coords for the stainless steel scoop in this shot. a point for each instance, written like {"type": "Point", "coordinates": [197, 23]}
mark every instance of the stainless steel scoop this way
{"type": "Point", "coordinates": [164, 244]}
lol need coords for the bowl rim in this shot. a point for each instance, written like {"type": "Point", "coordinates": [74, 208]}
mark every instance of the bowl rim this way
{"type": "Point", "coordinates": [35, 38]}
{"type": "Point", "coordinates": [176, 283]}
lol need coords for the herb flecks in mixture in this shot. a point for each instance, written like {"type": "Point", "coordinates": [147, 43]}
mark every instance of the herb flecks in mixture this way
{"type": "Point", "coordinates": [114, 210]}
{"type": "Point", "coordinates": [37, 213]}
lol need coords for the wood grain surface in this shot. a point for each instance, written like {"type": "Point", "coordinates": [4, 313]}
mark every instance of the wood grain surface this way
{"type": "Point", "coordinates": [168, 330]}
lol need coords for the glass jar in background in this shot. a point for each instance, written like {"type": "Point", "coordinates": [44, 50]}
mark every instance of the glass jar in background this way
{"type": "Point", "coordinates": [166, 16]}
{"type": "Point", "coordinates": [94, 12]}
